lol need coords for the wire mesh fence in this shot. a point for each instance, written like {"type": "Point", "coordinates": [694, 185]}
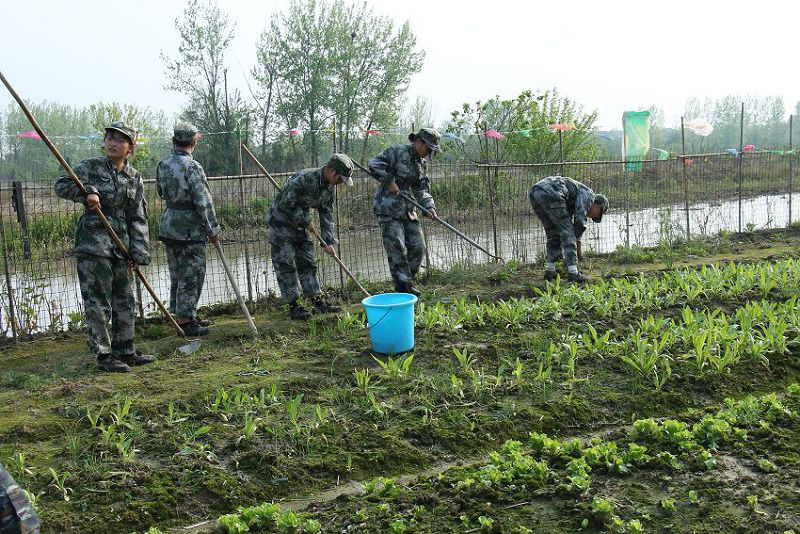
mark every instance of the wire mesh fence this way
{"type": "Point", "coordinates": [655, 201]}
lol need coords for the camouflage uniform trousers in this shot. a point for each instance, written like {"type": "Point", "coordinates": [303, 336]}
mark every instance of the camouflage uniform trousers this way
{"type": "Point", "coordinates": [187, 273]}
{"type": "Point", "coordinates": [404, 246]}
{"type": "Point", "coordinates": [17, 515]}
{"type": "Point", "coordinates": [107, 293]}
{"type": "Point", "coordinates": [557, 223]}
{"type": "Point", "coordinates": [293, 258]}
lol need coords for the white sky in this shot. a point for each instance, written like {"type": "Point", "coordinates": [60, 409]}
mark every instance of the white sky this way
{"type": "Point", "coordinates": [611, 56]}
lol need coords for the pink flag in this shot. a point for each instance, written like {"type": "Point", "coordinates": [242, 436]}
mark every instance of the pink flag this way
{"type": "Point", "coordinates": [562, 127]}
{"type": "Point", "coordinates": [748, 148]}
{"type": "Point", "coordinates": [30, 135]}
{"type": "Point", "coordinates": [494, 134]}
{"type": "Point", "coordinates": [371, 132]}
{"type": "Point", "coordinates": [294, 131]}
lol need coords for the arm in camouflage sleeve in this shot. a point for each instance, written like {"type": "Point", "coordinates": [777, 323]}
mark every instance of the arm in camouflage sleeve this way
{"type": "Point", "coordinates": [383, 166]}
{"type": "Point", "coordinates": [203, 203]}
{"type": "Point", "coordinates": [138, 233]}
{"type": "Point", "coordinates": [422, 192]}
{"type": "Point", "coordinates": [66, 188]}
{"type": "Point", "coordinates": [582, 205]}
{"type": "Point", "coordinates": [290, 203]}
{"type": "Point", "coordinates": [326, 225]}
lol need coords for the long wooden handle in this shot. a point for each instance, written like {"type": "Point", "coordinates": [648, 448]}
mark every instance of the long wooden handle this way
{"type": "Point", "coordinates": [242, 305]}
{"type": "Point", "coordinates": [439, 220]}
{"type": "Point", "coordinates": [117, 241]}
{"type": "Point", "coordinates": [339, 261]}
{"type": "Point", "coordinates": [312, 229]}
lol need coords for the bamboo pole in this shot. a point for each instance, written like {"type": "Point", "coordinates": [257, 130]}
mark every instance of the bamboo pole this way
{"type": "Point", "coordinates": [117, 241]}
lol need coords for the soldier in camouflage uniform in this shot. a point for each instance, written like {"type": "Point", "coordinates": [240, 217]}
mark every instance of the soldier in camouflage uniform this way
{"type": "Point", "coordinates": [563, 205]}
{"type": "Point", "coordinates": [187, 222]}
{"type": "Point", "coordinates": [404, 168]}
{"type": "Point", "coordinates": [17, 515]}
{"type": "Point", "coordinates": [292, 248]}
{"type": "Point", "coordinates": [103, 272]}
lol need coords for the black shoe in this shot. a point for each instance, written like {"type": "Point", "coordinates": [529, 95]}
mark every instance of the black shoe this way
{"type": "Point", "coordinates": [203, 322]}
{"type": "Point", "coordinates": [298, 313]}
{"type": "Point", "coordinates": [321, 305]}
{"type": "Point", "coordinates": [108, 363]}
{"type": "Point", "coordinates": [193, 328]}
{"type": "Point", "coordinates": [578, 278]}
{"type": "Point", "coordinates": [406, 287]}
{"type": "Point", "coordinates": [550, 276]}
{"type": "Point", "coordinates": [137, 358]}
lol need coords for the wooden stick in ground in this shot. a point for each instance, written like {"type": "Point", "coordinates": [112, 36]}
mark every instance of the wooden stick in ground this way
{"type": "Point", "coordinates": [311, 229]}
{"type": "Point", "coordinates": [117, 241]}
{"type": "Point", "coordinates": [242, 305]}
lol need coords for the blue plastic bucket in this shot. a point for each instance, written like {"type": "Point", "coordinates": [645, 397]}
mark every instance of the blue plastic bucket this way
{"type": "Point", "coordinates": [390, 319]}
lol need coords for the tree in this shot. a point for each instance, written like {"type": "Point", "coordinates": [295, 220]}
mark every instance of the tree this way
{"type": "Point", "coordinates": [526, 119]}
{"type": "Point", "coordinates": [199, 72]}
{"type": "Point", "coordinates": [326, 61]}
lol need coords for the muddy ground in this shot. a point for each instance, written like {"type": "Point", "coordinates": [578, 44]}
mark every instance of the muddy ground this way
{"type": "Point", "coordinates": [308, 418]}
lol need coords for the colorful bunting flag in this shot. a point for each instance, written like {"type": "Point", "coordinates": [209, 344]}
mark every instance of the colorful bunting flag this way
{"type": "Point", "coordinates": [30, 135]}
{"type": "Point", "coordinates": [494, 134]}
{"type": "Point", "coordinates": [525, 133]}
{"type": "Point", "coordinates": [452, 136]}
{"type": "Point", "coordinates": [748, 148]}
{"type": "Point", "coordinates": [699, 127]}
{"type": "Point", "coordinates": [294, 131]}
{"type": "Point", "coordinates": [559, 126]}
{"type": "Point", "coordinates": [731, 151]}
{"type": "Point", "coordinates": [371, 132]}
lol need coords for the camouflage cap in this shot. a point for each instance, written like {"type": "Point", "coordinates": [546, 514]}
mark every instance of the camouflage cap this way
{"type": "Point", "coordinates": [343, 165]}
{"type": "Point", "coordinates": [602, 201]}
{"type": "Point", "coordinates": [429, 136]}
{"type": "Point", "coordinates": [126, 130]}
{"type": "Point", "coordinates": [185, 132]}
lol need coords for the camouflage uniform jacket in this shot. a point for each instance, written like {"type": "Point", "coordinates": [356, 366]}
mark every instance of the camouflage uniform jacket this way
{"type": "Point", "coordinates": [577, 196]}
{"type": "Point", "coordinates": [122, 201]}
{"type": "Point", "coordinates": [401, 165]}
{"type": "Point", "coordinates": [189, 214]}
{"type": "Point", "coordinates": [290, 210]}
{"type": "Point", "coordinates": [17, 516]}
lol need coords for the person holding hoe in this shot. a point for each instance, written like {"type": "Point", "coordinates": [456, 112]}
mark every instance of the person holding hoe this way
{"type": "Point", "coordinates": [403, 168]}
{"type": "Point", "coordinates": [103, 272]}
{"type": "Point", "coordinates": [188, 221]}
{"type": "Point", "coordinates": [563, 205]}
{"type": "Point", "coordinates": [291, 247]}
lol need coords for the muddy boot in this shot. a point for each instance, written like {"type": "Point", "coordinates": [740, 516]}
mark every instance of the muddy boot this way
{"type": "Point", "coordinates": [194, 329]}
{"type": "Point", "coordinates": [550, 276]}
{"type": "Point", "coordinates": [109, 364]}
{"type": "Point", "coordinates": [578, 278]}
{"type": "Point", "coordinates": [298, 313]}
{"type": "Point", "coordinates": [404, 287]}
{"type": "Point", "coordinates": [321, 305]}
{"type": "Point", "coordinates": [137, 358]}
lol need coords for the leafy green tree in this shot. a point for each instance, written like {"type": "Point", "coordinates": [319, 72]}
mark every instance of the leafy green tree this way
{"type": "Point", "coordinates": [199, 72]}
{"type": "Point", "coordinates": [326, 65]}
{"type": "Point", "coordinates": [528, 117]}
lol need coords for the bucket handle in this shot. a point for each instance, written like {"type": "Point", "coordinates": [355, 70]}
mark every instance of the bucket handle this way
{"type": "Point", "coordinates": [379, 320]}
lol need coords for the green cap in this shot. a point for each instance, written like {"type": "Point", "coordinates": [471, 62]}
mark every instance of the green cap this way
{"type": "Point", "coordinates": [343, 165]}
{"type": "Point", "coordinates": [602, 201]}
{"type": "Point", "coordinates": [429, 136]}
{"type": "Point", "coordinates": [185, 132]}
{"type": "Point", "coordinates": [126, 130]}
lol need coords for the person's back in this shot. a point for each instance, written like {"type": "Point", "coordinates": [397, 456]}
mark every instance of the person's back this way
{"type": "Point", "coordinates": [17, 515]}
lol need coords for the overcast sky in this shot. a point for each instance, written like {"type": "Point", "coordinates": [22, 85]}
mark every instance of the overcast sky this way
{"type": "Point", "coordinates": [609, 56]}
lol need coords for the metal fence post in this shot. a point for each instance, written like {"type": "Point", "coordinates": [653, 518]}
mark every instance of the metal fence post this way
{"type": "Point", "coordinates": [739, 174]}
{"type": "Point", "coordinates": [685, 180]}
{"type": "Point", "coordinates": [243, 211]}
{"type": "Point", "coordinates": [791, 168]}
{"type": "Point", "coordinates": [10, 290]}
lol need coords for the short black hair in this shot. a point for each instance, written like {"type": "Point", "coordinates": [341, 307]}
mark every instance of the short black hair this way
{"type": "Point", "coordinates": [183, 144]}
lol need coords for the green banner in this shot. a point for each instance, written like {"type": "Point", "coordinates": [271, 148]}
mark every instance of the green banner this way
{"type": "Point", "coordinates": [636, 138]}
